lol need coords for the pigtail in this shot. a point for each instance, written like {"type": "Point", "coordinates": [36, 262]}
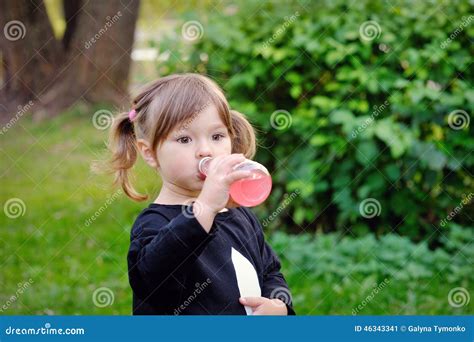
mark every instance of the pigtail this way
{"type": "Point", "coordinates": [122, 144]}
{"type": "Point", "coordinates": [244, 140]}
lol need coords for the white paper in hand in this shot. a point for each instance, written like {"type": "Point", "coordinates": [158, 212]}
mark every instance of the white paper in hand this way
{"type": "Point", "coordinates": [247, 278]}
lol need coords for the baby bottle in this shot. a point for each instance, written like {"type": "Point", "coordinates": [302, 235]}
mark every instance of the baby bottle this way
{"type": "Point", "coordinates": [249, 191]}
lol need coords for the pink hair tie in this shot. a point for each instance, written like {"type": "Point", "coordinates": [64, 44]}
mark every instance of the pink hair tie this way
{"type": "Point", "coordinates": [132, 114]}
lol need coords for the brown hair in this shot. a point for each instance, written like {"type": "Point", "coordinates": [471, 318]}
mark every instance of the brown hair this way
{"type": "Point", "coordinates": [161, 106]}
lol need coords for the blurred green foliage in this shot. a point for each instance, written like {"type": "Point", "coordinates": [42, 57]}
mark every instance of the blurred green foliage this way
{"type": "Point", "coordinates": [367, 118]}
{"type": "Point", "coordinates": [332, 257]}
{"type": "Point", "coordinates": [330, 273]}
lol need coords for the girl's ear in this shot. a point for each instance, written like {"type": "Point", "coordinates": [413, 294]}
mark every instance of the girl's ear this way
{"type": "Point", "coordinates": [147, 153]}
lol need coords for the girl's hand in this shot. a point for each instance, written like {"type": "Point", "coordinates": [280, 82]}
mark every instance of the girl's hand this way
{"type": "Point", "coordinates": [265, 306]}
{"type": "Point", "coordinates": [220, 175]}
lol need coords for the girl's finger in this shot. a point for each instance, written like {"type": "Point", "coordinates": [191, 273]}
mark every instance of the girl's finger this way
{"type": "Point", "coordinates": [236, 175]}
{"type": "Point", "coordinates": [252, 301]}
{"type": "Point", "coordinates": [234, 160]}
{"type": "Point", "coordinates": [226, 163]}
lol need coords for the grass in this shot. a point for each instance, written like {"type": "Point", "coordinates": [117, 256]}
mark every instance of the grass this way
{"type": "Point", "coordinates": [47, 166]}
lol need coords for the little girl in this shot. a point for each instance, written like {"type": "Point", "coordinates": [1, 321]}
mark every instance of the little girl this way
{"type": "Point", "coordinates": [193, 251]}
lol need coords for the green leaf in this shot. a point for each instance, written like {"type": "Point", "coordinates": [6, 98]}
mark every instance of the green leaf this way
{"type": "Point", "coordinates": [319, 140]}
{"type": "Point", "coordinates": [366, 151]}
{"type": "Point", "coordinates": [295, 91]}
{"type": "Point", "coordinates": [392, 171]}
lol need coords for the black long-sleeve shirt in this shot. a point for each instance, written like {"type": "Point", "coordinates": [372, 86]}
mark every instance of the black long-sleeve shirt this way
{"type": "Point", "coordinates": [176, 267]}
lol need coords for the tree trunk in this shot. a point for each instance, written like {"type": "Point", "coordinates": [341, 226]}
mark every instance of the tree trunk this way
{"type": "Point", "coordinates": [29, 50]}
{"type": "Point", "coordinates": [90, 64]}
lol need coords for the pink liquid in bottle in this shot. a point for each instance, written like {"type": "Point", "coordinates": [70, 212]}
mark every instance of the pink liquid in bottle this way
{"type": "Point", "coordinates": [250, 191]}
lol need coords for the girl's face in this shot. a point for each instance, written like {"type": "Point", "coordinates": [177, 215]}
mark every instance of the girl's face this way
{"type": "Point", "coordinates": [203, 135]}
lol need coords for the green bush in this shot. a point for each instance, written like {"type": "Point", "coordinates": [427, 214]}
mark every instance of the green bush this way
{"type": "Point", "coordinates": [330, 274]}
{"type": "Point", "coordinates": [332, 257]}
{"type": "Point", "coordinates": [365, 118]}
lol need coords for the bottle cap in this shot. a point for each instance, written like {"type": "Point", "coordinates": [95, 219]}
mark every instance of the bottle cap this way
{"type": "Point", "coordinates": [203, 164]}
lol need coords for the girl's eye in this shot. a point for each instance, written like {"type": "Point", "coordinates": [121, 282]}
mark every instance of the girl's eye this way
{"type": "Point", "coordinates": [184, 140]}
{"type": "Point", "coordinates": [218, 136]}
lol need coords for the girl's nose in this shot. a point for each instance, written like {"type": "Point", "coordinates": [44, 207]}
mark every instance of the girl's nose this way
{"type": "Point", "coordinates": [204, 151]}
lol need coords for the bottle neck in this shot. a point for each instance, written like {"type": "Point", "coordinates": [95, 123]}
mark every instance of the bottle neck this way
{"type": "Point", "coordinates": [204, 165]}
{"type": "Point", "coordinates": [245, 165]}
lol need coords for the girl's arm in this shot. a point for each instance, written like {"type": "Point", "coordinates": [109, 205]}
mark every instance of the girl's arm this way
{"type": "Point", "coordinates": [160, 248]}
{"type": "Point", "coordinates": [274, 283]}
